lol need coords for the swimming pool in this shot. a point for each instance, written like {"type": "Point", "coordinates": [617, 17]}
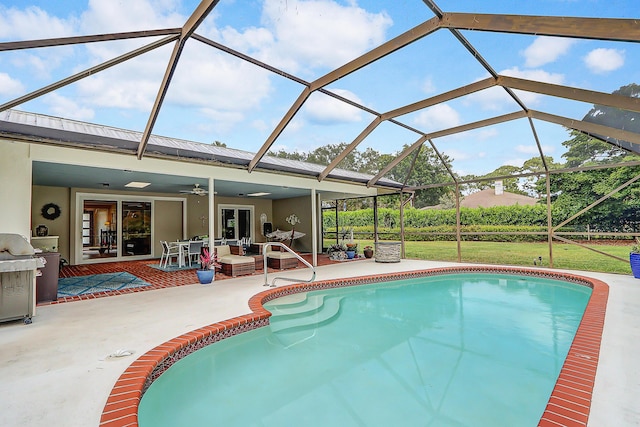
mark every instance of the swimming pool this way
{"type": "Point", "coordinates": [569, 403]}
{"type": "Point", "coordinates": [463, 349]}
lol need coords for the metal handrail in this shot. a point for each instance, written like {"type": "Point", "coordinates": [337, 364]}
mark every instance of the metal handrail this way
{"type": "Point", "coordinates": [273, 283]}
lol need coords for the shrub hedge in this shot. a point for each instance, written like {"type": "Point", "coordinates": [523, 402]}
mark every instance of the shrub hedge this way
{"type": "Point", "coordinates": [440, 225]}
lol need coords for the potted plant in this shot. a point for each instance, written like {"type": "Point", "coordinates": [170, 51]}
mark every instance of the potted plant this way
{"type": "Point", "coordinates": [208, 264]}
{"type": "Point", "coordinates": [367, 251]}
{"type": "Point", "coordinates": [352, 248]}
{"type": "Point", "coordinates": [634, 260]}
{"type": "Point", "coordinates": [337, 252]}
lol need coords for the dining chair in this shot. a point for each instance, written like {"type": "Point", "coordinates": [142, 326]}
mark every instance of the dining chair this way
{"type": "Point", "coordinates": [194, 250]}
{"type": "Point", "coordinates": [168, 251]}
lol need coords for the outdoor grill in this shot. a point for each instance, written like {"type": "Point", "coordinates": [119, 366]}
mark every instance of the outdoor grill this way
{"type": "Point", "coordinates": [18, 269]}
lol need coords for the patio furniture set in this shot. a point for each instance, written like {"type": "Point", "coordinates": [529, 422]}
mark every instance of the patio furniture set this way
{"type": "Point", "coordinates": [234, 259]}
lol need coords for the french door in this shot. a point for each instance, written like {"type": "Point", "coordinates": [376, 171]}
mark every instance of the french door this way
{"type": "Point", "coordinates": [235, 222]}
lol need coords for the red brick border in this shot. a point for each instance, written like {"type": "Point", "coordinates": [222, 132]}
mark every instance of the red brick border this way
{"type": "Point", "coordinates": [568, 405]}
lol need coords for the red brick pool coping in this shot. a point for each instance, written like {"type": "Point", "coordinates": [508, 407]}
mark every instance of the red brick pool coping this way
{"type": "Point", "coordinates": [568, 406]}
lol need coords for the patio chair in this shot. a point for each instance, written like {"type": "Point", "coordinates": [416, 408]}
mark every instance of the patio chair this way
{"type": "Point", "coordinates": [168, 251]}
{"type": "Point", "coordinates": [280, 259]}
{"type": "Point", "coordinates": [194, 250]}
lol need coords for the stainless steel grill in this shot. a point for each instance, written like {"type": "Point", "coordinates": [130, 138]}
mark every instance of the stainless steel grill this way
{"type": "Point", "coordinates": [18, 269]}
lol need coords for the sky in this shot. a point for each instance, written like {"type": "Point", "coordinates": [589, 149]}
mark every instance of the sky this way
{"type": "Point", "coordinates": [216, 97]}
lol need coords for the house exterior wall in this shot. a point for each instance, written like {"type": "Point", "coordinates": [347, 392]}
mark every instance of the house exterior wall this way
{"type": "Point", "coordinates": [15, 188]}
{"type": "Point", "coordinates": [42, 195]}
{"type": "Point", "coordinates": [22, 202]}
{"type": "Point", "coordinates": [301, 206]}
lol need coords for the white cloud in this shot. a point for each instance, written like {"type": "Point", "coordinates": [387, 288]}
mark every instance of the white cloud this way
{"type": "Point", "coordinates": [428, 86]}
{"type": "Point", "coordinates": [221, 121]}
{"type": "Point", "coordinates": [527, 149]}
{"type": "Point", "coordinates": [32, 23]}
{"type": "Point", "coordinates": [131, 15]}
{"type": "Point", "coordinates": [601, 61]}
{"type": "Point", "coordinates": [533, 149]}
{"type": "Point", "coordinates": [544, 50]}
{"type": "Point", "coordinates": [514, 162]}
{"type": "Point", "coordinates": [438, 117]}
{"type": "Point", "coordinates": [496, 98]}
{"type": "Point", "coordinates": [205, 79]}
{"type": "Point", "coordinates": [320, 33]}
{"type": "Point", "coordinates": [65, 107]}
{"type": "Point", "coordinates": [324, 109]}
{"type": "Point", "coordinates": [486, 133]}
{"type": "Point", "coordinates": [10, 86]}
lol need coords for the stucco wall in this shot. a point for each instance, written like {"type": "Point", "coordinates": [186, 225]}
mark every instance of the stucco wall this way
{"type": "Point", "coordinates": [15, 188]}
{"type": "Point", "coordinates": [58, 227]}
{"type": "Point", "coordinates": [301, 206]}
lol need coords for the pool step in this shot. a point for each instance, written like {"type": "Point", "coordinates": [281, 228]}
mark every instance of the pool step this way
{"type": "Point", "coordinates": [313, 314]}
{"type": "Point", "coordinates": [297, 304]}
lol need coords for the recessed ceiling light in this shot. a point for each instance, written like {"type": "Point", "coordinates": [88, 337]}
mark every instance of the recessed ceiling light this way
{"type": "Point", "coordinates": [137, 184]}
{"type": "Point", "coordinates": [258, 194]}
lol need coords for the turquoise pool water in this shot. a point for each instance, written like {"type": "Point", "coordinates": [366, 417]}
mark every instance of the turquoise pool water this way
{"type": "Point", "coordinates": [455, 350]}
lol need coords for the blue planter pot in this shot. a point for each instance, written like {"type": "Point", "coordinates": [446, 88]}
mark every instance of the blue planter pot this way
{"type": "Point", "coordinates": [351, 254]}
{"type": "Point", "coordinates": [634, 260]}
{"type": "Point", "coordinates": [205, 276]}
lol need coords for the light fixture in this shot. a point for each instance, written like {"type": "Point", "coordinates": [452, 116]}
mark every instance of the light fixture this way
{"type": "Point", "coordinates": [137, 184]}
{"type": "Point", "coordinates": [259, 194]}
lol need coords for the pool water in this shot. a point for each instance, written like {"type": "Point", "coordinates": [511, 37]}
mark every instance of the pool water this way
{"type": "Point", "coordinates": [453, 350]}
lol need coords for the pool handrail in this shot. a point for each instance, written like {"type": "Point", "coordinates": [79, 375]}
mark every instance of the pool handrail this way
{"type": "Point", "coordinates": [265, 250]}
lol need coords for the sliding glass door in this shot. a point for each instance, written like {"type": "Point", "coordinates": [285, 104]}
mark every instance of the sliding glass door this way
{"type": "Point", "coordinates": [136, 228]}
{"type": "Point", "coordinates": [113, 228]}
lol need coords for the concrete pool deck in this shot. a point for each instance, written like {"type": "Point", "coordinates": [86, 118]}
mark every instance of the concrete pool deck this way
{"type": "Point", "coordinates": [57, 371]}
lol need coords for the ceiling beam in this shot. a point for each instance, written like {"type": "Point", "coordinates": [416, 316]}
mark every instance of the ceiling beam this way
{"type": "Point", "coordinates": [297, 104]}
{"type": "Point", "coordinates": [381, 51]}
{"type": "Point", "coordinates": [373, 55]}
{"type": "Point", "coordinates": [443, 97]}
{"type": "Point", "coordinates": [479, 124]}
{"type": "Point", "coordinates": [65, 41]}
{"type": "Point", "coordinates": [349, 148]}
{"type": "Point", "coordinates": [576, 94]}
{"type": "Point", "coordinates": [397, 160]}
{"type": "Point", "coordinates": [626, 30]}
{"type": "Point", "coordinates": [87, 73]}
{"type": "Point", "coordinates": [589, 128]}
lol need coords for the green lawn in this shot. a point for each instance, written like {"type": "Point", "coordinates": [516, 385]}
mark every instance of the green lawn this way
{"type": "Point", "coordinates": [523, 254]}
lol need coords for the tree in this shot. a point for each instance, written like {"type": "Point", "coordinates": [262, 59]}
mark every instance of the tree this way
{"type": "Point", "coordinates": [572, 192]}
{"type": "Point", "coordinates": [617, 118]}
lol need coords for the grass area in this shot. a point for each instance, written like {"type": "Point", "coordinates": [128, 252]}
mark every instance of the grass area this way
{"type": "Point", "coordinates": [523, 254]}
{"type": "Point", "coordinates": [566, 256]}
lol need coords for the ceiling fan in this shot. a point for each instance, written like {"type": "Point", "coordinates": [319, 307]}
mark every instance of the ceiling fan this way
{"type": "Point", "coordinates": [196, 190]}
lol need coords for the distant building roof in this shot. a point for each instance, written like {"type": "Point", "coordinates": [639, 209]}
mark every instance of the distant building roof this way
{"type": "Point", "coordinates": [488, 198]}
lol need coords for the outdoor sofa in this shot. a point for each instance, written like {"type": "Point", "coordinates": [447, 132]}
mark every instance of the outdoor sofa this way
{"type": "Point", "coordinates": [233, 264]}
